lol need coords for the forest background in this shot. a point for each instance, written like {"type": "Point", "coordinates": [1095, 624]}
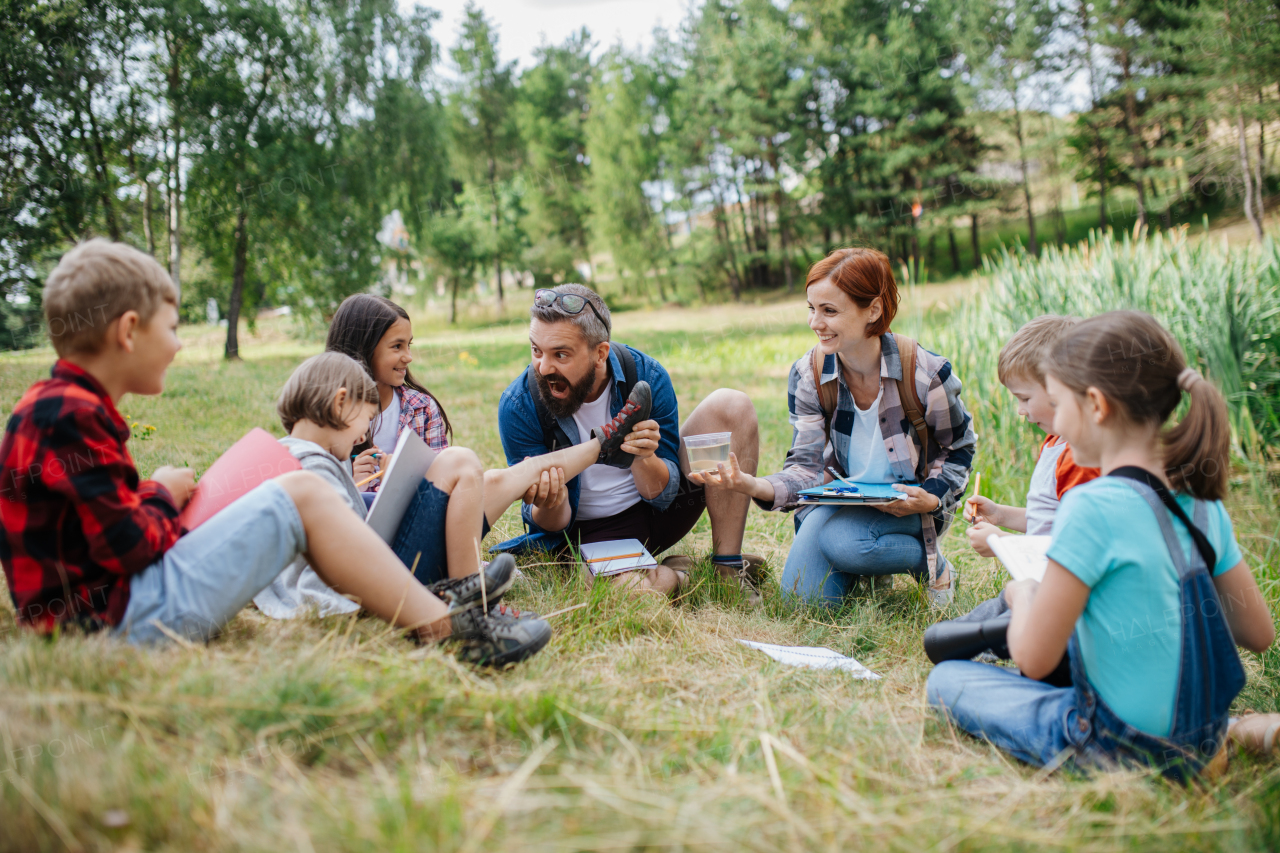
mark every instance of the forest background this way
{"type": "Point", "coordinates": [275, 153]}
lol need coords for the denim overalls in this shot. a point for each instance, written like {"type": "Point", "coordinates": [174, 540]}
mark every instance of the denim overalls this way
{"type": "Point", "coordinates": [1209, 676]}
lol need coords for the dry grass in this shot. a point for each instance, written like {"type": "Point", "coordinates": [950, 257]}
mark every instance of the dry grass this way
{"type": "Point", "coordinates": [643, 726]}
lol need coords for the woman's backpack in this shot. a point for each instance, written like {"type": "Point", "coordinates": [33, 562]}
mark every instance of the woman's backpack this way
{"type": "Point", "coordinates": [828, 396]}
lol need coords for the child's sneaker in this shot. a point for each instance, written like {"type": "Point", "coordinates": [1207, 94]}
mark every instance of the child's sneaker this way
{"type": "Point", "coordinates": [509, 612]}
{"type": "Point", "coordinates": [612, 434]}
{"type": "Point", "coordinates": [464, 593]}
{"type": "Point", "coordinates": [491, 640]}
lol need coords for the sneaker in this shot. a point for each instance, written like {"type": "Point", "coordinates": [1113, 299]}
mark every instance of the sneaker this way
{"type": "Point", "coordinates": [612, 434]}
{"type": "Point", "coordinates": [940, 597]}
{"type": "Point", "coordinates": [464, 593]}
{"type": "Point", "coordinates": [489, 640]}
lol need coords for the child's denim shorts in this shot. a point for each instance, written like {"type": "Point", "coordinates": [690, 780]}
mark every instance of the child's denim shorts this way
{"type": "Point", "coordinates": [211, 573]}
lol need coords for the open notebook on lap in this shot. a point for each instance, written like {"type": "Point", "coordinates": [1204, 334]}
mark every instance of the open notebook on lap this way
{"type": "Point", "coordinates": [409, 464]}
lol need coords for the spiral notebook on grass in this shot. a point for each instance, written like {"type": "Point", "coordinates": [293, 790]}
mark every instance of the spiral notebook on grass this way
{"type": "Point", "coordinates": [849, 493]}
{"type": "Point", "coordinates": [616, 556]}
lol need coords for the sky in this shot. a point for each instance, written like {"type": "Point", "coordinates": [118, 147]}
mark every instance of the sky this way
{"type": "Point", "coordinates": [523, 25]}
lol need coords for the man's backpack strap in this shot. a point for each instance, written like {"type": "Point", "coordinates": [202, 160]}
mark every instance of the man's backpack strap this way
{"type": "Point", "coordinates": [628, 367]}
{"type": "Point", "coordinates": [911, 405]}
{"type": "Point", "coordinates": [552, 435]}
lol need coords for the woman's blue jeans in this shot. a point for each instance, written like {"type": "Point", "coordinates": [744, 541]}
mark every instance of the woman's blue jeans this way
{"type": "Point", "coordinates": [836, 545]}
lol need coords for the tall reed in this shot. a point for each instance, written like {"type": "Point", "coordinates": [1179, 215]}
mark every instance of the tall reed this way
{"type": "Point", "coordinates": [1222, 303]}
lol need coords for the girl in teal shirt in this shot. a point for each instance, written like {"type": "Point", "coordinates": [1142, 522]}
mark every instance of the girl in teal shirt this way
{"type": "Point", "coordinates": [1146, 588]}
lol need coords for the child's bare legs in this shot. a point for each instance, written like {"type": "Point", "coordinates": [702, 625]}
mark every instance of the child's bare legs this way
{"type": "Point", "coordinates": [351, 558]}
{"type": "Point", "coordinates": [458, 473]}
{"type": "Point", "coordinates": [505, 486]}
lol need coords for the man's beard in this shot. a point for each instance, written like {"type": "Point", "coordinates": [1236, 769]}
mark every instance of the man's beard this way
{"type": "Point", "coordinates": [567, 407]}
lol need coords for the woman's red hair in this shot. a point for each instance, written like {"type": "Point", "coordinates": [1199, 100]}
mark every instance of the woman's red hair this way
{"type": "Point", "coordinates": [864, 275]}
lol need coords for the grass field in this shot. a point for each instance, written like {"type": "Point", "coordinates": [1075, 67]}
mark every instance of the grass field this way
{"type": "Point", "coordinates": [642, 726]}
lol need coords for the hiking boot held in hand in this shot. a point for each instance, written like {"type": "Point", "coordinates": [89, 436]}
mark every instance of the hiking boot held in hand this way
{"type": "Point", "coordinates": [612, 434]}
{"type": "Point", "coordinates": [484, 587]}
{"type": "Point", "coordinates": [490, 640]}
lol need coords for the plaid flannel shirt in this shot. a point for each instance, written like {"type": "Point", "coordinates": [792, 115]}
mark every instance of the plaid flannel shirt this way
{"type": "Point", "coordinates": [951, 436]}
{"type": "Point", "coordinates": [422, 413]}
{"type": "Point", "coordinates": [77, 521]}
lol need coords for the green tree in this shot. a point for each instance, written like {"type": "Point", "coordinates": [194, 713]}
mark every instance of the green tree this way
{"type": "Point", "coordinates": [552, 113]}
{"type": "Point", "coordinates": [486, 137]}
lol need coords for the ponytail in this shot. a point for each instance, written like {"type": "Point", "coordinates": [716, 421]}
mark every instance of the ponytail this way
{"type": "Point", "coordinates": [1197, 448]}
{"type": "Point", "coordinates": [1139, 367]}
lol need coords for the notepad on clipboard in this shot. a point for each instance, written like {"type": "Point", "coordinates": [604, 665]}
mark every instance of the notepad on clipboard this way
{"type": "Point", "coordinates": [1026, 557]}
{"type": "Point", "coordinates": [616, 556]}
{"type": "Point", "coordinates": [849, 493]}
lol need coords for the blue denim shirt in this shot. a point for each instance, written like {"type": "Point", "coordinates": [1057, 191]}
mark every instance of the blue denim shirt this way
{"type": "Point", "coordinates": [522, 437]}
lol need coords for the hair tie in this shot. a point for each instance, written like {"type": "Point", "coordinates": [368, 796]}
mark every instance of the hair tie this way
{"type": "Point", "coordinates": [1188, 377]}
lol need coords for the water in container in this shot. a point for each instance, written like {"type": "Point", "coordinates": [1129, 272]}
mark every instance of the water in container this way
{"type": "Point", "coordinates": [707, 451]}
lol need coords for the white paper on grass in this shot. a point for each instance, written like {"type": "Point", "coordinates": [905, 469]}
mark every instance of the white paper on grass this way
{"type": "Point", "coordinates": [813, 657]}
{"type": "Point", "coordinates": [1026, 557]}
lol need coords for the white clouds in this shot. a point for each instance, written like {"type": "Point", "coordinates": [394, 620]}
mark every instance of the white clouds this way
{"type": "Point", "coordinates": [525, 24]}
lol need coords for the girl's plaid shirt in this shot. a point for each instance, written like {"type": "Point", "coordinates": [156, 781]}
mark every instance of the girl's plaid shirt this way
{"type": "Point", "coordinates": [951, 436]}
{"type": "Point", "coordinates": [421, 413]}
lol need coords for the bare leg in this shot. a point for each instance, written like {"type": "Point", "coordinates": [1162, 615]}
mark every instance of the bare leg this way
{"type": "Point", "coordinates": [458, 473]}
{"type": "Point", "coordinates": [505, 486]}
{"type": "Point", "coordinates": [726, 410]}
{"type": "Point", "coordinates": [662, 580]}
{"type": "Point", "coordinates": [351, 558]}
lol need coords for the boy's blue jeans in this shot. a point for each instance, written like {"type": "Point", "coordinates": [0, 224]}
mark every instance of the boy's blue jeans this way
{"type": "Point", "coordinates": [837, 544]}
{"type": "Point", "coordinates": [214, 571]}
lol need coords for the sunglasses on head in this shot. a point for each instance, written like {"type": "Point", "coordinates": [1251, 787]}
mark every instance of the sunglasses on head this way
{"type": "Point", "coordinates": [569, 303]}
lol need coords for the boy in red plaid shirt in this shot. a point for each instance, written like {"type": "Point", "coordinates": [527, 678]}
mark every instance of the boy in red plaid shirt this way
{"type": "Point", "coordinates": [87, 542]}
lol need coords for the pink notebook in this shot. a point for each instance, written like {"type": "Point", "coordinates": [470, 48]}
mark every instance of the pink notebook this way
{"type": "Point", "coordinates": [249, 462]}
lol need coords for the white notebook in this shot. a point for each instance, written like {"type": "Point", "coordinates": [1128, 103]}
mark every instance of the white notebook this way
{"type": "Point", "coordinates": [616, 556]}
{"type": "Point", "coordinates": [404, 475]}
{"type": "Point", "coordinates": [1024, 556]}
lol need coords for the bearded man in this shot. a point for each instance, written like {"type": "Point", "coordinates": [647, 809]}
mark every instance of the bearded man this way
{"type": "Point", "coordinates": [579, 385]}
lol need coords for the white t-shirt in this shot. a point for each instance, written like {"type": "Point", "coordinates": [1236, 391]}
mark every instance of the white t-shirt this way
{"type": "Point", "coordinates": [606, 491]}
{"type": "Point", "coordinates": [1042, 494]}
{"type": "Point", "coordinates": [387, 426]}
{"type": "Point", "coordinates": [868, 459]}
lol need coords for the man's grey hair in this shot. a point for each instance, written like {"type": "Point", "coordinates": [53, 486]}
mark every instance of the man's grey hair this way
{"type": "Point", "coordinates": [587, 322]}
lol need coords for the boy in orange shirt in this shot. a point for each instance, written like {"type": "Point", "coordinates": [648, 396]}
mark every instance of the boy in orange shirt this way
{"type": "Point", "coordinates": [1055, 471]}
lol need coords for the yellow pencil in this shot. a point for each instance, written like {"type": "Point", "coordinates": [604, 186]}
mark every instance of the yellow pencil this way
{"type": "Point", "coordinates": [367, 480]}
{"type": "Point", "coordinates": [977, 490]}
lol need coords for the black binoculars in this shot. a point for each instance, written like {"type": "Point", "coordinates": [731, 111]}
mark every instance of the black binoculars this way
{"type": "Point", "coordinates": [956, 640]}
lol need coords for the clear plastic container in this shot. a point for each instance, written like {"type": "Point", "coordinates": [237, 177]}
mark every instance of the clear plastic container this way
{"type": "Point", "coordinates": [707, 451]}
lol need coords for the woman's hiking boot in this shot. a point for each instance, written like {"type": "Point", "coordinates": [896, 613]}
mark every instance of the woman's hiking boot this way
{"type": "Point", "coordinates": [486, 639]}
{"type": "Point", "coordinates": [612, 434]}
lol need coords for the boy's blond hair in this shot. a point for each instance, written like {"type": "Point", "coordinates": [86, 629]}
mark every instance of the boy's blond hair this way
{"type": "Point", "coordinates": [309, 393]}
{"type": "Point", "coordinates": [1021, 357]}
{"type": "Point", "coordinates": [93, 284]}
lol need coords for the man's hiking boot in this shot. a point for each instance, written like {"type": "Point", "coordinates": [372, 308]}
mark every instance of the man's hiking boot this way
{"type": "Point", "coordinates": [486, 639]}
{"type": "Point", "coordinates": [748, 573]}
{"type": "Point", "coordinates": [484, 587]}
{"type": "Point", "coordinates": [612, 434]}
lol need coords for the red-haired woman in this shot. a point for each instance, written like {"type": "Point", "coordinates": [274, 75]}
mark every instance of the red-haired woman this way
{"type": "Point", "coordinates": [852, 300]}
